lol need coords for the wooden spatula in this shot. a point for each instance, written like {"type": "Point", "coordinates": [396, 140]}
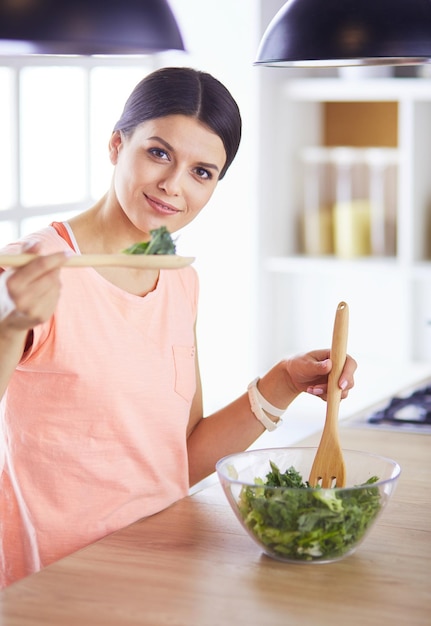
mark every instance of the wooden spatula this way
{"type": "Point", "coordinates": [144, 261]}
{"type": "Point", "coordinates": [328, 466]}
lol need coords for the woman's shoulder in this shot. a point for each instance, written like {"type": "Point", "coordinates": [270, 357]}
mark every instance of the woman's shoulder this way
{"type": "Point", "coordinates": [186, 276]}
{"type": "Point", "coordinates": [184, 280]}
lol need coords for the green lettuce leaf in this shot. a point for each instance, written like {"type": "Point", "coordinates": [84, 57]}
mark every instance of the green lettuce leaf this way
{"type": "Point", "coordinates": [160, 243]}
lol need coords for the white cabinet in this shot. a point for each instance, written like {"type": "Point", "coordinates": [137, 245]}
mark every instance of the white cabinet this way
{"type": "Point", "coordinates": [389, 296]}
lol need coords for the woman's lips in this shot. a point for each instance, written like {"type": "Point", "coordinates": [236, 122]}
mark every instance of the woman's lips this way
{"type": "Point", "coordinates": [162, 207]}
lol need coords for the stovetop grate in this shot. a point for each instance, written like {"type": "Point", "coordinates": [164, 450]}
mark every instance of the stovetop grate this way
{"type": "Point", "coordinates": [415, 409]}
{"type": "Point", "coordinates": [409, 411]}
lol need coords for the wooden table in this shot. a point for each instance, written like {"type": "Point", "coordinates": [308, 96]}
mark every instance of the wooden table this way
{"type": "Point", "coordinates": [193, 565]}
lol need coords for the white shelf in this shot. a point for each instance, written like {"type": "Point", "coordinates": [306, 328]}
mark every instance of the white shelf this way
{"type": "Point", "coordinates": [329, 265]}
{"type": "Point", "coordinates": [371, 90]}
{"type": "Point", "coordinates": [390, 308]}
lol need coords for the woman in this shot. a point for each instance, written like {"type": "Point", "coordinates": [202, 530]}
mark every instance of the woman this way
{"type": "Point", "coordinates": [102, 404]}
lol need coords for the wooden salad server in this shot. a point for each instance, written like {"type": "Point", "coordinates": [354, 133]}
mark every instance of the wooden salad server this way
{"type": "Point", "coordinates": [143, 261]}
{"type": "Point", "coordinates": [328, 465]}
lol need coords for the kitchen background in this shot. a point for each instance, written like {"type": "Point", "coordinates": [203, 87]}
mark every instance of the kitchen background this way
{"type": "Point", "coordinates": [329, 198]}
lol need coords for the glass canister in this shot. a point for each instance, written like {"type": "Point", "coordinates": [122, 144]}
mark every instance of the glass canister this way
{"type": "Point", "coordinates": [318, 200]}
{"type": "Point", "coordinates": [383, 191]}
{"type": "Point", "coordinates": [351, 209]}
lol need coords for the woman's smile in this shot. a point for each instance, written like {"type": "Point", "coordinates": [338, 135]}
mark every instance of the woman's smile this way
{"type": "Point", "coordinates": [161, 207]}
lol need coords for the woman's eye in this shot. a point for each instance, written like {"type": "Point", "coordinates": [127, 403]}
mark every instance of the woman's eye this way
{"type": "Point", "coordinates": [203, 173]}
{"type": "Point", "coordinates": [159, 153]}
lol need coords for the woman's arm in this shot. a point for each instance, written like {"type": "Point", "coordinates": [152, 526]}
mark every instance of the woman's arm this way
{"type": "Point", "coordinates": [34, 290]}
{"type": "Point", "coordinates": [11, 349]}
{"type": "Point", "coordinates": [235, 427]}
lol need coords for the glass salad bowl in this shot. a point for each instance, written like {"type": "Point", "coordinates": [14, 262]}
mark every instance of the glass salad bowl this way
{"type": "Point", "coordinates": [290, 521]}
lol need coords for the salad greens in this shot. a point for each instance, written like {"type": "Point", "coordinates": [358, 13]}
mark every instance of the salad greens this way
{"type": "Point", "coordinates": [303, 523]}
{"type": "Point", "coordinates": [160, 243]}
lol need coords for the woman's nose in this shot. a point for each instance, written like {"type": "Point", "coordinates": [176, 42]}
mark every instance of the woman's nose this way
{"type": "Point", "coordinates": [171, 183]}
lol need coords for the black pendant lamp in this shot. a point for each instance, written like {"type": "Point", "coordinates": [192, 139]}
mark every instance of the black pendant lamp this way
{"type": "Point", "coordinates": [325, 33]}
{"type": "Point", "coordinates": [87, 27]}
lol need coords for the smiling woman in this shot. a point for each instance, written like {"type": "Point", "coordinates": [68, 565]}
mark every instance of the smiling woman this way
{"type": "Point", "coordinates": [100, 365]}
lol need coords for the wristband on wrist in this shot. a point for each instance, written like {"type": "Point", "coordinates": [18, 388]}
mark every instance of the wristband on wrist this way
{"type": "Point", "coordinates": [259, 405]}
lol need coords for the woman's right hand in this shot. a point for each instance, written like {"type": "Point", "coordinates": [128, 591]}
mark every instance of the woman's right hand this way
{"type": "Point", "coordinates": [34, 290]}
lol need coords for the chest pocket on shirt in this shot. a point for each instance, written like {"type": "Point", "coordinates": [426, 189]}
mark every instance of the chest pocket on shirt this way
{"type": "Point", "coordinates": [185, 374]}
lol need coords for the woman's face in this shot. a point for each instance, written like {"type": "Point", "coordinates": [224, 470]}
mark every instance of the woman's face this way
{"type": "Point", "coordinates": [166, 171]}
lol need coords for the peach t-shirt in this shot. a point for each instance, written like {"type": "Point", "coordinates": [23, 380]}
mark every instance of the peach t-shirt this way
{"type": "Point", "coordinates": [94, 418]}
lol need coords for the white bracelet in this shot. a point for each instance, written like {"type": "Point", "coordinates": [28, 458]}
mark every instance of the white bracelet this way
{"type": "Point", "coordinates": [259, 404]}
{"type": "Point", "coordinates": [7, 305]}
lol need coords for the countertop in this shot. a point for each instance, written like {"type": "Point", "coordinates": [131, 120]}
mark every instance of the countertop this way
{"type": "Point", "coordinates": [193, 565]}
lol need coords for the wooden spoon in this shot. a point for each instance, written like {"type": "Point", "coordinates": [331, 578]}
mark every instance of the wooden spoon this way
{"type": "Point", "coordinates": [328, 463]}
{"type": "Point", "coordinates": [144, 261]}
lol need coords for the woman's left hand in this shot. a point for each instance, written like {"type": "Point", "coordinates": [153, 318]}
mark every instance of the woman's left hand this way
{"type": "Point", "coordinates": [309, 372]}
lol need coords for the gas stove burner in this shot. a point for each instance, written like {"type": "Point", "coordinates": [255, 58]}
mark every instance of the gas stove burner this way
{"type": "Point", "coordinates": [415, 409]}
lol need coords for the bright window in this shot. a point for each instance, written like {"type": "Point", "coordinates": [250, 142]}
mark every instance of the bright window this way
{"type": "Point", "coordinates": [53, 132]}
{"type": "Point", "coordinates": [58, 116]}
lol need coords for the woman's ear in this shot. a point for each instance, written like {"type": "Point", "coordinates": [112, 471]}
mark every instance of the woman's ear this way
{"type": "Point", "coordinates": [114, 146]}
